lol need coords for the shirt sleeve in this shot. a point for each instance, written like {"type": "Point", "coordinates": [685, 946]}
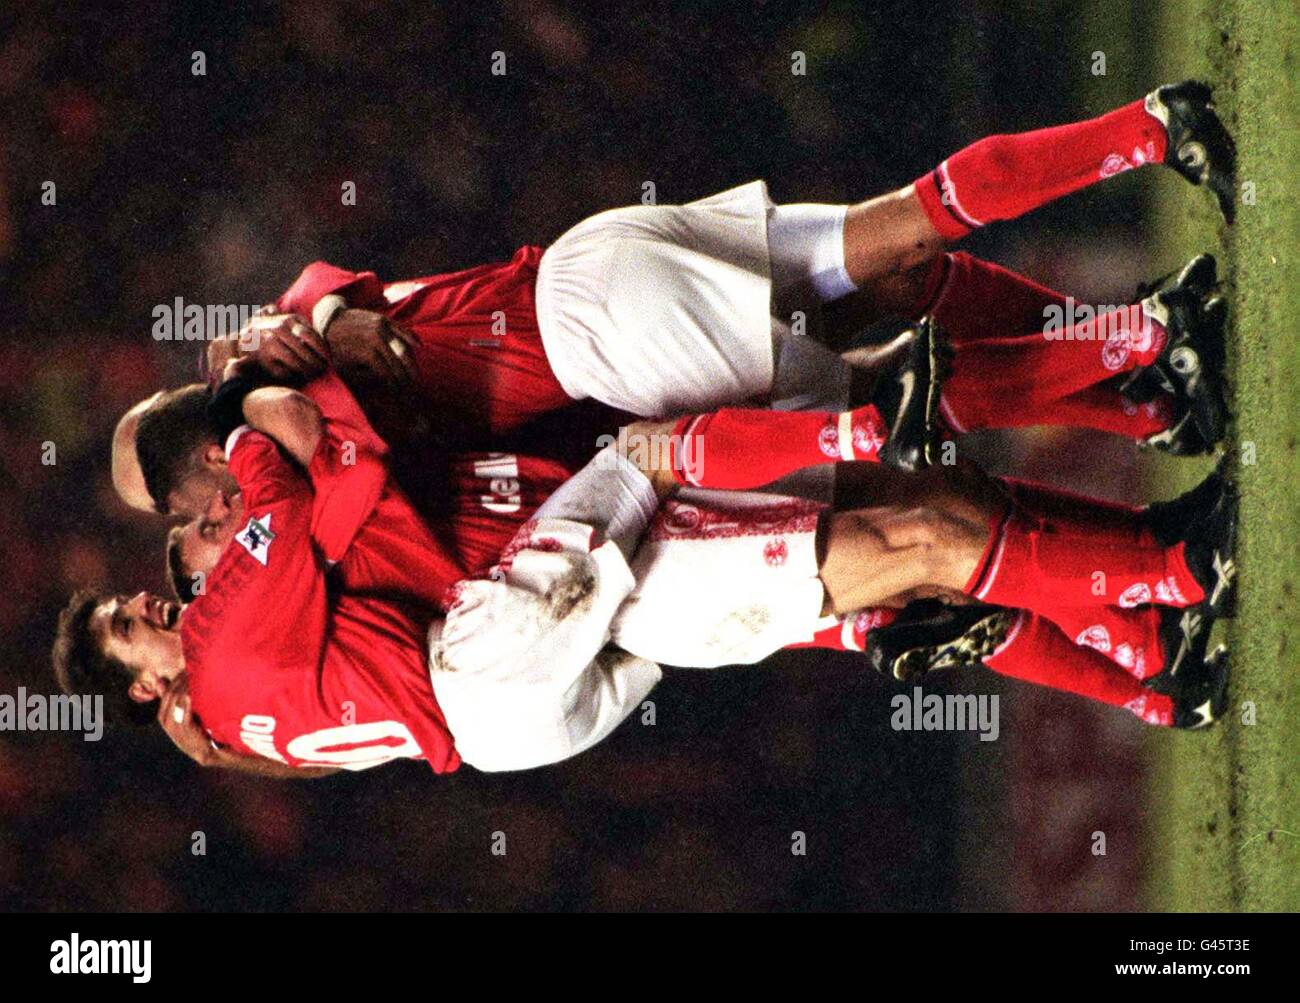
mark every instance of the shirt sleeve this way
{"type": "Point", "coordinates": [319, 279]}
{"type": "Point", "coordinates": [264, 474]}
{"type": "Point", "coordinates": [348, 472]}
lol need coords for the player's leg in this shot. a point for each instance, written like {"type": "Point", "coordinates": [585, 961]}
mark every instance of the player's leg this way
{"type": "Point", "coordinates": [739, 448]}
{"type": "Point", "coordinates": [1027, 355]}
{"type": "Point", "coordinates": [1045, 547]}
{"type": "Point", "coordinates": [1002, 177]}
{"type": "Point", "coordinates": [1153, 644]}
{"type": "Point", "coordinates": [1171, 344]}
{"type": "Point", "coordinates": [964, 535]}
{"type": "Point", "coordinates": [928, 637]}
{"type": "Point", "coordinates": [955, 530]}
{"type": "Point", "coordinates": [1002, 376]}
{"type": "Point", "coordinates": [1036, 650]}
{"type": "Point", "coordinates": [1094, 556]}
{"type": "Point", "coordinates": [972, 299]}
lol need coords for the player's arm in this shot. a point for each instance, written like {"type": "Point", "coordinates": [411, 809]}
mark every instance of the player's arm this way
{"type": "Point", "coordinates": [285, 339]}
{"type": "Point", "coordinates": [328, 435]}
{"type": "Point", "coordinates": [344, 457]}
{"type": "Point", "coordinates": [284, 345]}
{"type": "Point", "coordinates": [289, 417]}
{"type": "Point", "coordinates": [179, 723]}
{"type": "Point", "coordinates": [329, 316]}
{"type": "Point", "coordinates": [346, 309]}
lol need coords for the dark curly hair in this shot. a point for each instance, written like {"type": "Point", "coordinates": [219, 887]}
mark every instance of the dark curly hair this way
{"type": "Point", "coordinates": [83, 669]}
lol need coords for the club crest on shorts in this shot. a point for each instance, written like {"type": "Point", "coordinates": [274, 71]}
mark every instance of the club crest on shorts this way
{"type": "Point", "coordinates": [256, 538]}
{"type": "Point", "coordinates": [775, 552]}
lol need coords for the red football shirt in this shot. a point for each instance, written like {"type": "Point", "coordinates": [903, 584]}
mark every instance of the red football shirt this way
{"type": "Point", "coordinates": [279, 669]}
{"type": "Point", "coordinates": [394, 553]}
{"type": "Point", "coordinates": [481, 358]}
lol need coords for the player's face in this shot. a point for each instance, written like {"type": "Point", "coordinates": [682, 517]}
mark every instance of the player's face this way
{"type": "Point", "coordinates": [190, 498]}
{"type": "Point", "coordinates": [203, 539]}
{"type": "Point", "coordinates": [143, 633]}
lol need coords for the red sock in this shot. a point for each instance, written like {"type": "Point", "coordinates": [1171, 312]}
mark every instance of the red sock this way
{"type": "Point", "coordinates": [1105, 409]}
{"type": "Point", "coordinates": [1036, 651]}
{"type": "Point", "coordinates": [1098, 556]}
{"type": "Point", "coordinates": [966, 407]}
{"type": "Point", "coordinates": [850, 633]}
{"type": "Point", "coordinates": [1002, 177]}
{"type": "Point", "coordinates": [1046, 365]}
{"type": "Point", "coordinates": [936, 280]}
{"type": "Point", "coordinates": [974, 299]}
{"type": "Point", "coordinates": [740, 448]}
{"type": "Point", "coordinates": [1128, 637]}
{"type": "Point", "coordinates": [1007, 374]}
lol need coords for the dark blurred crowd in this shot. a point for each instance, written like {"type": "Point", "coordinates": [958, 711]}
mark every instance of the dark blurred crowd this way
{"type": "Point", "coordinates": [218, 187]}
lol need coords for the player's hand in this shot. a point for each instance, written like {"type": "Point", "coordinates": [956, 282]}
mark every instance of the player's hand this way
{"type": "Point", "coordinates": [223, 350]}
{"type": "Point", "coordinates": [648, 445]}
{"type": "Point", "coordinates": [285, 346]}
{"type": "Point", "coordinates": [363, 339]}
{"type": "Point", "coordinates": [176, 716]}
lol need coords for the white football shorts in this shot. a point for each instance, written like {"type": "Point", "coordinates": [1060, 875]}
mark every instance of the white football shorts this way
{"type": "Point", "coordinates": [668, 310]}
{"type": "Point", "coordinates": [723, 578]}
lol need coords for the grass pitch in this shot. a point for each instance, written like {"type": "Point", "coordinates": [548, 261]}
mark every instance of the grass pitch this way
{"type": "Point", "coordinates": [1225, 805]}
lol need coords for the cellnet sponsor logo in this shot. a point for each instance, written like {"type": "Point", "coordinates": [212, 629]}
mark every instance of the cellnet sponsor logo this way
{"type": "Point", "coordinates": [919, 711]}
{"type": "Point", "coordinates": [38, 712]}
{"type": "Point", "coordinates": [102, 957]}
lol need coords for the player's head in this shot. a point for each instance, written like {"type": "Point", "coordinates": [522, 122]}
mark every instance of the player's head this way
{"type": "Point", "coordinates": [180, 459]}
{"type": "Point", "coordinates": [193, 549]}
{"type": "Point", "coordinates": [128, 479]}
{"type": "Point", "coordinates": [127, 650]}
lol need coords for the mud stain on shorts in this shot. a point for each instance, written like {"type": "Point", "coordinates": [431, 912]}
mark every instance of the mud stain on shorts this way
{"type": "Point", "coordinates": [573, 594]}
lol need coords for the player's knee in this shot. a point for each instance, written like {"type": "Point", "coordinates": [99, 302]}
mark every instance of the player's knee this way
{"type": "Point", "coordinates": [901, 291]}
{"type": "Point", "coordinates": [933, 539]}
{"type": "Point", "coordinates": [927, 528]}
